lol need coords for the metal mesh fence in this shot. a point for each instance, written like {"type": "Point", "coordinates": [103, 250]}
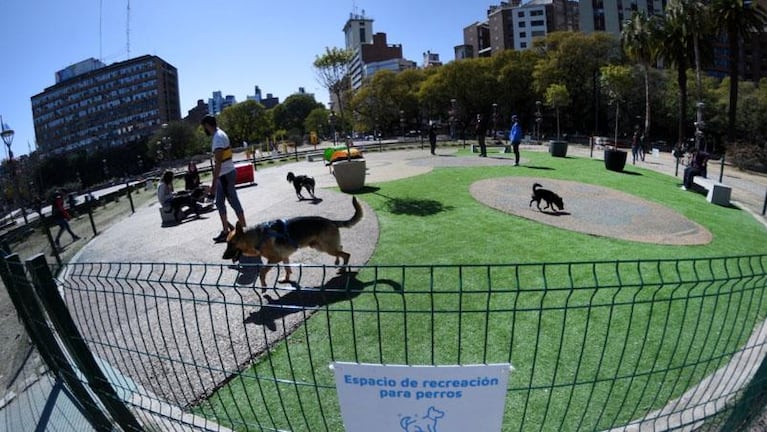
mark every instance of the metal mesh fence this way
{"type": "Point", "coordinates": [595, 346]}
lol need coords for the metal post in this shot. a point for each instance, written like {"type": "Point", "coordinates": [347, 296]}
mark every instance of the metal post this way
{"type": "Point", "coordinates": [721, 169]}
{"type": "Point", "coordinates": [130, 197]}
{"type": "Point", "coordinates": [28, 308]}
{"type": "Point", "coordinates": [90, 216]}
{"type": "Point", "coordinates": [64, 324]}
{"type": "Point", "coordinates": [51, 242]}
{"type": "Point", "coordinates": [764, 207]}
{"type": "Point", "coordinates": [676, 168]}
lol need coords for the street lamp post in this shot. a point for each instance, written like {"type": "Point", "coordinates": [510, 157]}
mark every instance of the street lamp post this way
{"type": "Point", "coordinates": [332, 121]}
{"type": "Point", "coordinates": [699, 125]}
{"type": "Point", "coordinates": [7, 136]}
{"type": "Point", "coordinates": [495, 121]}
{"type": "Point", "coordinates": [402, 123]}
{"type": "Point", "coordinates": [538, 120]}
{"type": "Point", "coordinates": [452, 119]}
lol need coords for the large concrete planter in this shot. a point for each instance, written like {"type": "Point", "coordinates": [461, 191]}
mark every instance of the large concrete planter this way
{"type": "Point", "coordinates": [350, 174]}
{"type": "Point", "coordinates": [615, 160]}
{"type": "Point", "coordinates": [558, 148]}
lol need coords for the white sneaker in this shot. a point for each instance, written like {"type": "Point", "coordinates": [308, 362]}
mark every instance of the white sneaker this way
{"type": "Point", "coordinates": [683, 188]}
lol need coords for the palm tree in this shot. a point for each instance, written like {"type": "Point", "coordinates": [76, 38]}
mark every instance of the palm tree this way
{"type": "Point", "coordinates": [637, 41]}
{"type": "Point", "coordinates": [740, 19]}
{"type": "Point", "coordinates": [674, 43]}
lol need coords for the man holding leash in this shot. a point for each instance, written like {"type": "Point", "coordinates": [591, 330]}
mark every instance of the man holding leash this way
{"type": "Point", "coordinates": [224, 176]}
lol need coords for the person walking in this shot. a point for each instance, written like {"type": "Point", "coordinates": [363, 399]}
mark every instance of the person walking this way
{"type": "Point", "coordinates": [636, 147]}
{"type": "Point", "coordinates": [61, 217]}
{"type": "Point", "coordinates": [481, 129]}
{"type": "Point", "coordinates": [432, 138]}
{"type": "Point", "coordinates": [515, 136]}
{"type": "Point", "coordinates": [224, 176]}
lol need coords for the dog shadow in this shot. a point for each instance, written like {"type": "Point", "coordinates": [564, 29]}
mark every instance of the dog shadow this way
{"type": "Point", "coordinates": [555, 213]}
{"type": "Point", "coordinates": [248, 267]}
{"type": "Point", "coordinates": [343, 287]}
{"type": "Point", "coordinates": [313, 201]}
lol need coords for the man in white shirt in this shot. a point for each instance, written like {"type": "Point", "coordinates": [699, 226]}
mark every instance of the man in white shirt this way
{"type": "Point", "coordinates": [224, 175]}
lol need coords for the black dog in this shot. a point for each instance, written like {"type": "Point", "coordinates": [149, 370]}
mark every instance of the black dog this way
{"type": "Point", "coordinates": [553, 200]}
{"type": "Point", "coordinates": [302, 181]}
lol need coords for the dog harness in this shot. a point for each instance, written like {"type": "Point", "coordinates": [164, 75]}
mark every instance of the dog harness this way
{"type": "Point", "coordinates": [276, 229]}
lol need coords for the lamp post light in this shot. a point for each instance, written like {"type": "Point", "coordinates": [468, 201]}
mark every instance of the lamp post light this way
{"type": "Point", "coordinates": [402, 123]}
{"type": "Point", "coordinates": [452, 119]}
{"type": "Point", "coordinates": [7, 136]}
{"type": "Point", "coordinates": [332, 120]}
{"type": "Point", "coordinates": [699, 125]}
{"type": "Point", "coordinates": [538, 120]}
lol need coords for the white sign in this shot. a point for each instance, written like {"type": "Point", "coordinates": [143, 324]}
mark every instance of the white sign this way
{"type": "Point", "coordinates": [388, 398]}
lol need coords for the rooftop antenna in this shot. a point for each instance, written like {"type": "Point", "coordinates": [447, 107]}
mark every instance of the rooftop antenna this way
{"type": "Point", "coordinates": [127, 29]}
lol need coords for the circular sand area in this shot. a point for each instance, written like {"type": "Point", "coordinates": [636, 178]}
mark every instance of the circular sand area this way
{"type": "Point", "coordinates": [592, 210]}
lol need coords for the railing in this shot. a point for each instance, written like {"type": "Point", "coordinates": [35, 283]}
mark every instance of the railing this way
{"type": "Point", "coordinates": [594, 345]}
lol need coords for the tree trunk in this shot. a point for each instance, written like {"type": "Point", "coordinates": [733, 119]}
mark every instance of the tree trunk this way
{"type": "Point", "coordinates": [647, 101]}
{"type": "Point", "coordinates": [558, 136]}
{"type": "Point", "coordinates": [732, 39]}
{"type": "Point", "coordinates": [617, 112]}
{"type": "Point", "coordinates": [682, 80]}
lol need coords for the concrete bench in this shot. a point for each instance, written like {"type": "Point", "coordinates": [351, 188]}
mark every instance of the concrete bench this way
{"type": "Point", "coordinates": [505, 148]}
{"type": "Point", "coordinates": [718, 193]}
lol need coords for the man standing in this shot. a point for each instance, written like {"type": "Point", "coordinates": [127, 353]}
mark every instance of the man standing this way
{"type": "Point", "coordinates": [515, 136]}
{"type": "Point", "coordinates": [224, 175]}
{"type": "Point", "coordinates": [480, 130]}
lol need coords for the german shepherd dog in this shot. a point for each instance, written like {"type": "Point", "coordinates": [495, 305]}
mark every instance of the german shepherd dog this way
{"type": "Point", "coordinates": [553, 200]}
{"type": "Point", "coordinates": [302, 181]}
{"type": "Point", "coordinates": [277, 240]}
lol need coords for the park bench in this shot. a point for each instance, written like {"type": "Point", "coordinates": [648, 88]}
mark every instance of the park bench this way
{"type": "Point", "coordinates": [718, 193]}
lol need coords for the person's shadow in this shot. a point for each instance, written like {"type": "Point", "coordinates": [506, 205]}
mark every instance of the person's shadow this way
{"type": "Point", "coordinates": [343, 287]}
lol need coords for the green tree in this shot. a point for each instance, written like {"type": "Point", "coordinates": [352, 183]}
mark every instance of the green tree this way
{"type": "Point", "coordinates": [172, 141]}
{"type": "Point", "coordinates": [376, 105]}
{"type": "Point", "coordinates": [245, 122]}
{"type": "Point", "coordinates": [638, 44]}
{"type": "Point", "coordinates": [332, 69]}
{"type": "Point", "coordinates": [291, 114]}
{"type": "Point", "coordinates": [317, 121]}
{"type": "Point", "coordinates": [618, 82]}
{"type": "Point", "coordinates": [574, 59]}
{"type": "Point", "coordinates": [741, 20]}
{"type": "Point", "coordinates": [558, 97]}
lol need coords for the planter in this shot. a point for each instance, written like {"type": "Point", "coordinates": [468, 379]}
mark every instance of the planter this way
{"type": "Point", "coordinates": [350, 174]}
{"type": "Point", "coordinates": [615, 159]}
{"type": "Point", "coordinates": [558, 148]}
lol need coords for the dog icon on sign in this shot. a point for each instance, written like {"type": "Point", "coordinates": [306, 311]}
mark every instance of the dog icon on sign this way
{"type": "Point", "coordinates": [426, 423]}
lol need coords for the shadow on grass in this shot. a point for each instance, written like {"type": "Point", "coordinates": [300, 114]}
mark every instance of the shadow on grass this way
{"type": "Point", "coordinates": [542, 168]}
{"type": "Point", "coordinates": [414, 207]}
{"type": "Point", "coordinates": [343, 287]}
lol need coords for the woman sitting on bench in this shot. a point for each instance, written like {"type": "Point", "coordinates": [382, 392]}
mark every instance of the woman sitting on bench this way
{"type": "Point", "coordinates": [174, 202]}
{"type": "Point", "coordinates": [698, 161]}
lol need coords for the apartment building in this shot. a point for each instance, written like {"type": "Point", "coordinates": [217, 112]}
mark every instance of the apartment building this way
{"type": "Point", "coordinates": [513, 25]}
{"type": "Point", "coordinates": [609, 15]}
{"type": "Point", "coordinates": [98, 105]}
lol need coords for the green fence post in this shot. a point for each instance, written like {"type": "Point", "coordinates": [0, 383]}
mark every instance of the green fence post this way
{"type": "Point", "coordinates": [47, 292]}
{"type": "Point", "coordinates": [32, 315]}
{"type": "Point", "coordinates": [90, 216]}
{"type": "Point", "coordinates": [130, 197]}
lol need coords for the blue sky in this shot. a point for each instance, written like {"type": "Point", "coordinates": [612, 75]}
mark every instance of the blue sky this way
{"type": "Point", "coordinates": [229, 45]}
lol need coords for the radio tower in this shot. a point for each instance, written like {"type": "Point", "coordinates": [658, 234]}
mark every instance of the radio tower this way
{"type": "Point", "coordinates": [127, 29]}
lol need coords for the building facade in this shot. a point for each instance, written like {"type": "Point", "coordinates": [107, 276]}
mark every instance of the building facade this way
{"type": "Point", "coordinates": [218, 102]}
{"type": "Point", "coordinates": [513, 25]}
{"type": "Point", "coordinates": [609, 15]}
{"type": "Point", "coordinates": [94, 105]}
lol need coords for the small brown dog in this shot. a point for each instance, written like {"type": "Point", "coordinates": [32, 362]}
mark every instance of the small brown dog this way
{"type": "Point", "coordinates": [278, 239]}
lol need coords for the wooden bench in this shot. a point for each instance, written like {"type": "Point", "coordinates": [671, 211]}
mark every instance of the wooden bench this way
{"type": "Point", "coordinates": [505, 147]}
{"type": "Point", "coordinates": [718, 193]}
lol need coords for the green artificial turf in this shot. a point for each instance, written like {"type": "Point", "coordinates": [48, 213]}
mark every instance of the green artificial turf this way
{"type": "Point", "coordinates": [593, 345]}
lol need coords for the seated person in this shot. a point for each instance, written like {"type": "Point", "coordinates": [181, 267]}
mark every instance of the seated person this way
{"type": "Point", "coordinates": [697, 167]}
{"type": "Point", "coordinates": [174, 202]}
{"type": "Point", "coordinates": [192, 183]}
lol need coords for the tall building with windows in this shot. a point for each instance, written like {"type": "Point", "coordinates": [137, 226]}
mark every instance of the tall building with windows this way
{"type": "Point", "coordinates": [95, 105]}
{"type": "Point", "coordinates": [218, 102]}
{"type": "Point", "coordinates": [609, 15]}
{"type": "Point", "coordinates": [514, 25]}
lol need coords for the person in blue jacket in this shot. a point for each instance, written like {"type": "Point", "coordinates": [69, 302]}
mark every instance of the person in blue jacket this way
{"type": "Point", "coordinates": [515, 136]}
